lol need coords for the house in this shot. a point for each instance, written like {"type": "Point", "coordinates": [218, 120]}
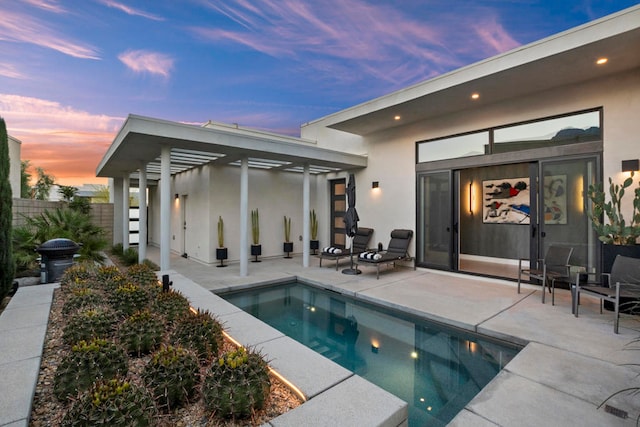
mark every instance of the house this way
{"type": "Point", "coordinates": [14, 165]}
{"type": "Point", "coordinates": [487, 163]}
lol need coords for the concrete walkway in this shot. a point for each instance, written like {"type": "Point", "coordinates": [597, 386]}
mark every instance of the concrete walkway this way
{"type": "Point", "coordinates": [567, 369]}
{"type": "Point", "coordinates": [23, 325]}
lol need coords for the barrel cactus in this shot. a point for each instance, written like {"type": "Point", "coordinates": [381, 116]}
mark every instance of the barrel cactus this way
{"type": "Point", "coordinates": [172, 305]}
{"type": "Point", "coordinates": [87, 362]}
{"type": "Point", "coordinates": [113, 402]}
{"type": "Point", "coordinates": [172, 376]}
{"type": "Point", "coordinates": [143, 275]}
{"type": "Point", "coordinates": [200, 332]}
{"type": "Point", "coordinates": [237, 384]}
{"type": "Point", "coordinates": [129, 298]}
{"type": "Point", "coordinates": [110, 278]}
{"type": "Point", "coordinates": [96, 322]}
{"type": "Point", "coordinates": [76, 272]}
{"type": "Point", "coordinates": [141, 333]}
{"type": "Point", "coordinates": [81, 297]}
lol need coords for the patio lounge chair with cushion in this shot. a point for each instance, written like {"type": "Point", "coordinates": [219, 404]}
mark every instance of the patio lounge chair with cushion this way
{"type": "Point", "coordinates": [554, 266]}
{"type": "Point", "coordinates": [359, 244]}
{"type": "Point", "coordinates": [398, 250]}
{"type": "Point", "coordinates": [623, 281]}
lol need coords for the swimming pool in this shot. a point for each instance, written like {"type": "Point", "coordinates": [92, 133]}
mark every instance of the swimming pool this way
{"type": "Point", "coordinates": [435, 368]}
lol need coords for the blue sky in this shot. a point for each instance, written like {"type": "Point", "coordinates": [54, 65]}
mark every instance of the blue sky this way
{"type": "Point", "coordinates": [71, 71]}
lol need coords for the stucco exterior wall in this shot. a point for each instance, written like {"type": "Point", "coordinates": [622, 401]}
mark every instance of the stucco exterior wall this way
{"type": "Point", "coordinates": [214, 191]}
{"type": "Point", "coordinates": [14, 166]}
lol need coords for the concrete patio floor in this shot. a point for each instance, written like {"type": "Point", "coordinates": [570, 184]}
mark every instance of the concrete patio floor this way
{"type": "Point", "coordinates": [568, 367]}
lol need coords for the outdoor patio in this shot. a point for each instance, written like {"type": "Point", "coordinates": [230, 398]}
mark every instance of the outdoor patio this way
{"type": "Point", "coordinates": [569, 366]}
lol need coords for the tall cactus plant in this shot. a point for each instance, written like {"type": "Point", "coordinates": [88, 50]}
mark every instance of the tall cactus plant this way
{"type": "Point", "coordinates": [287, 229]}
{"type": "Point", "coordinates": [220, 232]}
{"type": "Point", "coordinates": [313, 224]}
{"type": "Point", "coordinates": [255, 226]}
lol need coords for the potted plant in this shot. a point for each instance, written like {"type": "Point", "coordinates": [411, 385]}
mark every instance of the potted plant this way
{"type": "Point", "coordinates": [616, 231]}
{"type": "Point", "coordinates": [314, 244]}
{"type": "Point", "coordinates": [256, 247]}
{"type": "Point", "coordinates": [221, 251]}
{"type": "Point", "coordinates": [288, 244]}
{"type": "Point", "coordinates": [618, 236]}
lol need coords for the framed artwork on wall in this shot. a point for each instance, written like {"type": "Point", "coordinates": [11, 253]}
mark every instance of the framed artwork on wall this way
{"type": "Point", "coordinates": [506, 201]}
{"type": "Point", "coordinates": [555, 199]}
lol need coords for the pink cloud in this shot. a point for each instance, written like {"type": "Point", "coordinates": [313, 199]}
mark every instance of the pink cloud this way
{"type": "Point", "coordinates": [142, 61]}
{"type": "Point", "coordinates": [356, 37]}
{"type": "Point", "coordinates": [130, 10]}
{"type": "Point", "coordinates": [48, 5]}
{"type": "Point", "coordinates": [66, 142]}
{"type": "Point", "coordinates": [23, 28]}
{"type": "Point", "coordinates": [9, 70]}
{"type": "Point", "coordinates": [495, 36]}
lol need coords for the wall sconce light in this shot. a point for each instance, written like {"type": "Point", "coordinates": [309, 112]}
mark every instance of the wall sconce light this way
{"type": "Point", "coordinates": [630, 165]}
{"type": "Point", "coordinates": [471, 198]}
{"type": "Point", "coordinates": [177, 196]}
{"type": "Point", "coordinates": [375, 184]}
{"type": "Point", "coordinates": [374, 348]}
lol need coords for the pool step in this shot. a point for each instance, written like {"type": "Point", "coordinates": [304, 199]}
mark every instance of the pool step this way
{"type": "Point", "coordinates": [320, 347]}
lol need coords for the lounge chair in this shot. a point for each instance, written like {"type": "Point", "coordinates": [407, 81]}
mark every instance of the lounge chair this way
{"type": "Point", "coordinates": [554, 266]}
{"type": "Point", "coordinates": [398, 250]}
{"type": "Point", "coordinates": [359, 244]}
{"type": "Point", "coordinates": [623, 281]}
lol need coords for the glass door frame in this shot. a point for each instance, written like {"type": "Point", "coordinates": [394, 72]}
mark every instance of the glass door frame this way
{"type": "Point", "coordinates": [451, 223]}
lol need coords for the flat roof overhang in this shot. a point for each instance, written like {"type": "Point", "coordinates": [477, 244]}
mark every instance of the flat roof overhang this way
{"type": "Point", "coordinates": [563, 59]}
{"type": "Point", "coordinates": [140, 141]}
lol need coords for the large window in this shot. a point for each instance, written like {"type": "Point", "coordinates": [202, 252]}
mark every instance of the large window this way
{"type": "Point", "coordinates": [583, 127]}
{"type": "Point", "coordinates": [573, 128]}
{"type": "Point", "coordinates": [472, 144]}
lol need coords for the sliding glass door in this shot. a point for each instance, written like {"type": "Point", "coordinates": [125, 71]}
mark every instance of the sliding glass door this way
{"type": "Point", "coordinates": [563, 209]}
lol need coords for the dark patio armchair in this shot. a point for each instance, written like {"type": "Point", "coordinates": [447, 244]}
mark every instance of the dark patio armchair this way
{"type": "Point", "coordinates": [622, 282]}
{"type": "Point", "coordinates": [398, 250]}
{"type": "Point", "coordinates": [359, 244]}
{"type": "Point", "coordinates": [554, 266]}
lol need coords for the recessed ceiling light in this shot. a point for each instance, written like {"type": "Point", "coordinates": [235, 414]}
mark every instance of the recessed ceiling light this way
{"type": "Point", "coordinates": [397, 118]}
{"type": "Point", "coordinates": [602, 61]}
{"type": "Point", "coordinates": [475, 96]}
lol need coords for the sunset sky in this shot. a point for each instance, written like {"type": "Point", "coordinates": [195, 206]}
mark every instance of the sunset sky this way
{"type": "Point", "coordinates": [71, 71]}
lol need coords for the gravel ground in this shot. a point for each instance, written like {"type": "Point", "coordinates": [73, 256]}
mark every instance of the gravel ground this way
{"type": "Point", "coordinates": [48, 411]}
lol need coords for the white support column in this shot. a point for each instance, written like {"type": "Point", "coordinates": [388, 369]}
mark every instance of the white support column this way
{"type": "Point", "coordinates": [115, 197]}
{"type": "Point", "coordinates": [244, 216]}
{"type": "Point", "coordinates": [142, 217]}
{"type": "Point", "coordinates": [165, 207]}
{"type": "Point", "coordinates": [305, 217]}
{"type": "Point", "coordinates": [125, 211]}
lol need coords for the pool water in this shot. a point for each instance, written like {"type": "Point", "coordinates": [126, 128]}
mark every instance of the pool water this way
{"type": "Point", "coordinates": [435, 368]}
